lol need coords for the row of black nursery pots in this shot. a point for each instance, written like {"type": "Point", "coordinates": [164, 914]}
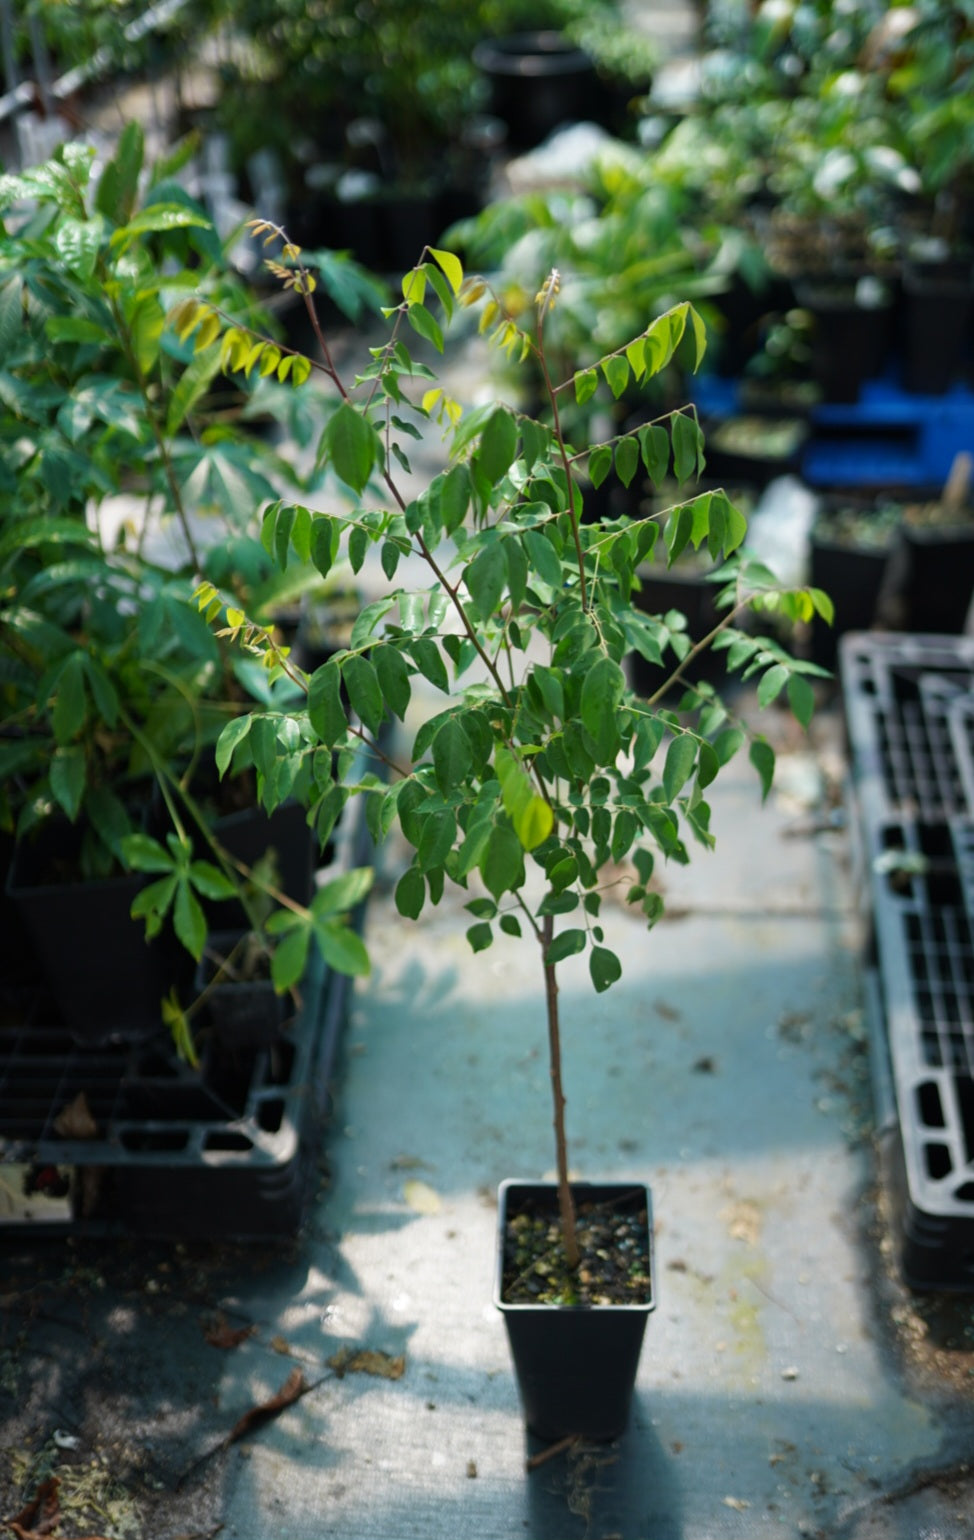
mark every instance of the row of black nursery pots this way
{"type": "Point", "coordinates": [903, 561]}
{"type": "Point", "coordinates": [912, 325]}
{"type": "Point", "coordinates": [104, 978]}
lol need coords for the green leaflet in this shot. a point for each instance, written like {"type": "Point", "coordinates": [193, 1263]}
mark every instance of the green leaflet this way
{"type": "Point", "coordinates": [502, 861]}
{"type": "Point", "coordinates": [604, 968]}
{"type": "Point", "coordinates": [498, 444]}
{"type": "Point", "coordinates": [393, 676]}
{"type": "Point", "coordinates": [364, 691]}
{"type": "Point", "coordinates": [485, 578]}
{"type": "Point", "coordinates": [602, 691]}
{"type": "Point", "coordinates": [326, 710]}
{"type": "Point", "coordinates": [566, 944]}
{"type": "Point", "coordinates": [681, 756]}
{"type": "Point", "coordinates": [452, 755]}
{"type": "Point", "coordinates": [352, 446]}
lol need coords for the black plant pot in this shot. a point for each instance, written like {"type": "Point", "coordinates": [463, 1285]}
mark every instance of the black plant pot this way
{"type": "Point", "coordinates": [538, 81]}
{"type": "Point", "coordinates": [242, 1012]}
{"type": "Point", "coordinates": [938, 299]}
{"type": "Point", "coordinates": [855, 574]}
{"type": "Point", "coordinates": [851, 337]}
{"type": "Point", "coordinates": [575, 1364]}
{"type": "Point", "coordinates": [106, 980]}
{"type": "Point", "coordinates": [693, 595]}
{"type": "Point", "coordinates": [938, 567]}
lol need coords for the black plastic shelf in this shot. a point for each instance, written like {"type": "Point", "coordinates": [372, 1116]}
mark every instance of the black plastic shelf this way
{"type": "Point", "coordinates": [902, 695]}
{"type": "Point", "coordinates": [226, 1150]}
{"type": "Point", "coordinates": [909, 707]}
{"type": "Point", "coordinates": [922, 880]}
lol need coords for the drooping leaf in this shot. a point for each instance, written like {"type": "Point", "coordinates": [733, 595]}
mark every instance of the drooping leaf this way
{"type": "Point", "coordinates": [498, 444]}
{"type": "Point", "coordinates": [602, 691]}
{"type": "Point", "coordinates": [502, 861]}
{"type": "Point", "coordinates": [604, 968]}
{"type": "Point", "coordinates": [452, 755]}
{"type": "Point", "coordinates": [761, 755]}
{"type": "Point", "coordinates": [411, 893]}
{"type": "Point", "coordinates": [485, 578]}
{"type": "Point", "coordinates": [393, 676]}
{"type": "Point", "coordinates": [352, 446]}
{"type": "Point", "coordinates": [364, 690]}
{"type": "Point", "coordinates": [681, 756]}
{"type": "Point", "coordinates": [326, 710]}
{"type": "Point", "coordinates": [567, 943]}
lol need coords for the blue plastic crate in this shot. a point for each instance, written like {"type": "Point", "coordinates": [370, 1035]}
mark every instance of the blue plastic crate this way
{"type": "Point", "coordinates": [889, 437]}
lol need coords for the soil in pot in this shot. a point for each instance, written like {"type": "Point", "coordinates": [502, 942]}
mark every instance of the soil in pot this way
{"type": "Point", "coordinates": [614, 1269]}
{"type": "Point", "coordinates": [754, 448]}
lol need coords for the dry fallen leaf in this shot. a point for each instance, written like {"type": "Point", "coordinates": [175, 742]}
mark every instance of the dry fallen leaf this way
{"type": "Point", "coordinates": [281, 1345]}
{"type": "Point", "coordinates": [422, 1197]}
{"type": "Point", "coordinates": [75, 1121]}
{"type": "Point", "coordinates": [666, 1011]}
{"type": "Point", "coordinates": [367, 1361]}
{"type": "Point", "coordinates": [743, 1220]}
{"type": "Point", "coordinates": [293, 1388]}
{"type": "Point", "coordinates": [220, 1334]}
{"type": "Point", "coordinates": [41, 1516]}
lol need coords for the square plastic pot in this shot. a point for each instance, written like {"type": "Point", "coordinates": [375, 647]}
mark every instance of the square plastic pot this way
{"type": "Point", "coordinates": [575, 1364]}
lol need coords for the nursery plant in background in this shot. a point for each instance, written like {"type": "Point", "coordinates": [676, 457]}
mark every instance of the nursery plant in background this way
{"type": "Point", "coordinates": [121, 484]}
{"type": "Point", "coordinates": [535, 776]}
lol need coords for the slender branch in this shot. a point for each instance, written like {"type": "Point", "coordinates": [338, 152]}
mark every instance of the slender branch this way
{"type": "Point", "coordinates": [547, 299]}
{"type": "Point", "coordinates": [566, 1206]}
{"type": "Point", "coordinates": [695, 651]}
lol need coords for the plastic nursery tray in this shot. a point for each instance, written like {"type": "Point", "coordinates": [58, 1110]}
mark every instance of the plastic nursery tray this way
{"type": "Point", "coordinates": [131, 1138]}
{"type": "Point", "coordinates": [128, 1138]}
{"type": "Point", "coordinates": [922, 885]}
{"type": "Point", "coordinates": [904, 698]}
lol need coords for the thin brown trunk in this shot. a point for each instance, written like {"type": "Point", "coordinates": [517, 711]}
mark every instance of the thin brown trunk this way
{"type": "Point", "coordinates": [566, 1205]}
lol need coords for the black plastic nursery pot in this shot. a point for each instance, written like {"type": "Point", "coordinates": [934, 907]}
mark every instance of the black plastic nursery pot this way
{"type": "Point", "coordinates": [106, 979]}
{"type": "Point", "coordinates": [241, 1009]}
{"type": "Point", "coordinates": [939, 582]}
{"type": "Point", "coordinates": [938, 302]}
{"type": "Point", "coordinates": [538, 81]}
{"type": "Point", "coordinates": [851, 337]}
{"type": "Point", "coordinates": [851, 547]}
{"type": "Point", "coordinates": [575, 1364]}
